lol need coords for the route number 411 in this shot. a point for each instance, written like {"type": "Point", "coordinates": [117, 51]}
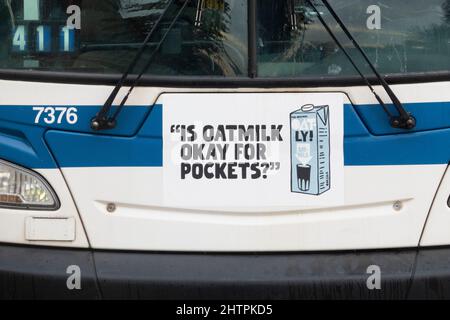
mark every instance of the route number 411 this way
{"type": "Point", "coordinates": [43, 36]}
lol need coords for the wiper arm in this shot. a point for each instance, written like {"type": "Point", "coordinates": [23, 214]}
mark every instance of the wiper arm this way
{"type": "Point", "coordinates": [102, 120]}
{"type": "Point", "coordinates": [404, 119]}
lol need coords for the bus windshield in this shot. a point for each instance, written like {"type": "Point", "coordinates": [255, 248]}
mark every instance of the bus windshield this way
{"type": "Point", "coordinates": [211, 38]}
{"type": "Point", "coordinates": [398, 36]}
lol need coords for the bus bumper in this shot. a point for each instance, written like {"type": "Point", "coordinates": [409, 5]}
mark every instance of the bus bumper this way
{"type": "Point", "coordinates": [50, 273]}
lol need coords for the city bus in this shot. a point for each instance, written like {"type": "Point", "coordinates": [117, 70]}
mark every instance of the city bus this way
{"type": "Point", "coordinates": [224, 149]}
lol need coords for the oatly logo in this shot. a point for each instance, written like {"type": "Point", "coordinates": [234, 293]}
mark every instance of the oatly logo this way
{"type": "Point", "coordinates": [310, 150]}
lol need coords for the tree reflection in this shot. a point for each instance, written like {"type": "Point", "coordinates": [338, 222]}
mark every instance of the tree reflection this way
{"type": "Point", "coordinates": [435, 39]}
{"type": "Point", "coordinates": [211, 34]}
{"type": "Point", "coordinates": [446, 9]}
{"type": "Point", "coordinates": [303, 46]}
{"type": "Point", "coordinates": [284, 28]}
{"type": "Point", "coordinates": [199, 47]}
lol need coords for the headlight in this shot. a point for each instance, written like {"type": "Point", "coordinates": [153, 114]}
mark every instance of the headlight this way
{"type": "Point", "coordinates": [24, 189]}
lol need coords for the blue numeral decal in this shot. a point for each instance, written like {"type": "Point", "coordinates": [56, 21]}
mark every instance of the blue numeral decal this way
{"type": "Point", "coordinates": [19, 41]}
{"type": "Point", "coordinates": [43, 39]}
{"type": "Point", "coordinates": [67, 39]}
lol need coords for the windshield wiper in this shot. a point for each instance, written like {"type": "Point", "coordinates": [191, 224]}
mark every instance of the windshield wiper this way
{"type": "Point", "coordinates": [102, 121]}
{"type": "Point", "coordinates": [404, 119]}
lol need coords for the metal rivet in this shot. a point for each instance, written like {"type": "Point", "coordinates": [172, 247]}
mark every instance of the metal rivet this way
{"type": "Point", "coordinates": [398, 205]}
{"type": "Point", "coordinates": [95, 125]}
{"type": "Point", "coordinates": [111, 207]}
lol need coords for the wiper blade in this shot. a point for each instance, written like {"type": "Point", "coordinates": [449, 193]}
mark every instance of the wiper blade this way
{"type": "Point", "coordinates": [102, 120]}
{"type": "Point", "coordinates": [404, 119]}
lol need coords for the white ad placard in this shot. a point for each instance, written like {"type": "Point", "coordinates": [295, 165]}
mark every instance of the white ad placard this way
{"type": "Point", "coordinates": [253, 149]}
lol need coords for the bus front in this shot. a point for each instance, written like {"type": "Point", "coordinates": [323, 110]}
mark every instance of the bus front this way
{"type": "Point", "coordinates": [192, 149]}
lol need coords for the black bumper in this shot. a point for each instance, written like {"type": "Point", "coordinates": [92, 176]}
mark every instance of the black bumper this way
{"type": "Point", "coordinates": [41, 273]}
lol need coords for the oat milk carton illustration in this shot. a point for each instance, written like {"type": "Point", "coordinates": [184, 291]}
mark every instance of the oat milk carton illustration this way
{"type": "Point", "coordinates": [310, 150]}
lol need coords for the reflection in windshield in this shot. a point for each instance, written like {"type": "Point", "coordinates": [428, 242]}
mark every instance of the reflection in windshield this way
{"type": "Point", "coordinates": [210, 38]}
{"type": "Point", "coordinates": [411, 38]}
{"type": "Point", "coordinates": [140, 8]}
{"type": "Point", "coordinates": [112, 30]}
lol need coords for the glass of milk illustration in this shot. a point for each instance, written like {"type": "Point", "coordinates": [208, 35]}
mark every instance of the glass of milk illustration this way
{"type": "Point", "coordinates": [310, 150]}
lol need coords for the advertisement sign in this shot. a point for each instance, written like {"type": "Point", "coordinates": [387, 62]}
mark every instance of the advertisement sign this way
{"type": "Point", "coordinates": [253, 149]}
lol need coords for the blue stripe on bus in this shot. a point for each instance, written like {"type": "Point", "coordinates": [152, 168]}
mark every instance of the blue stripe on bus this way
{"type": "Point", "coordinates": [128, 123]}
{"type": "Point", "coordinates": [430, 116]}
{"type": "Point", "coordinates": [26, 144]}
